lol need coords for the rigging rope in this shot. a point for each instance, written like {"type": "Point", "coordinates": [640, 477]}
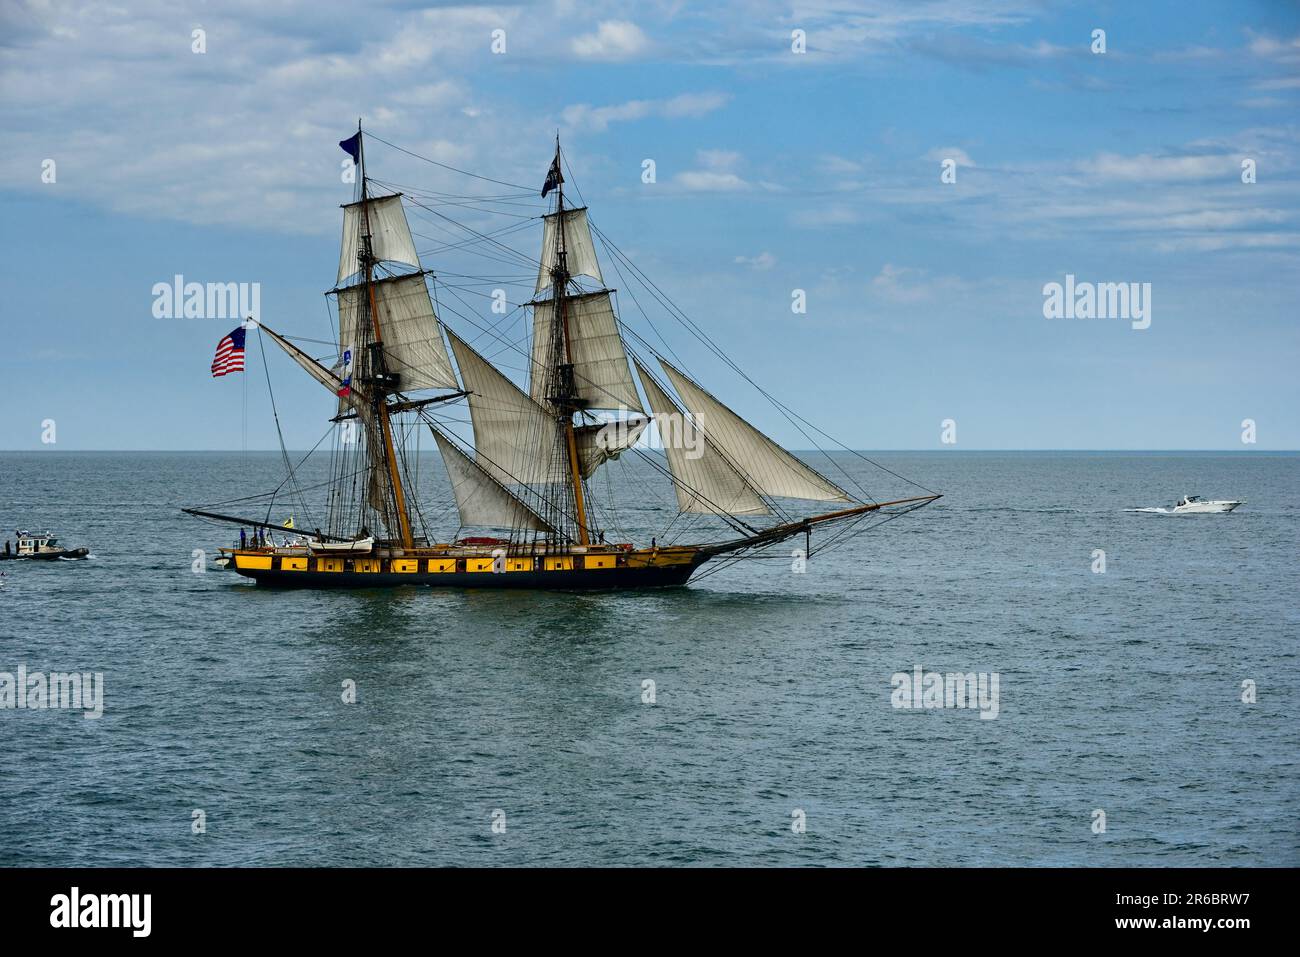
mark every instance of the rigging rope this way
{"type": "Point", "coordinates": [426, 159]}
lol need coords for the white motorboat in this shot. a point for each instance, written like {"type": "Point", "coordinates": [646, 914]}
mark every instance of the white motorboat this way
{"type": "Point", "coordinates": [1194, 503]}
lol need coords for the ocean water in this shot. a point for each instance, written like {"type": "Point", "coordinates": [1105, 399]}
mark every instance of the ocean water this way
{"type": "Point", "coordinates": [1118, 692]}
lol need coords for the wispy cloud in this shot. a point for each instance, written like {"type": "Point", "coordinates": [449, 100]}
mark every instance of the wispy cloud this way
{"type": "Point", "coordinates": [762, 262]}
{"type": "Point", "coordinates": [692, 105]}
{"type": "Point", "coordinates": [901, 283]}
{"type": "Point", "coordinates": [716, 175]}
{"type": "Point", "coordinates": [1278, 49]}
{"type": "Point", "coordinates": [613, 40]}
{"type": "Point", "coordinates": [982, 55]}
{"type": "Point", "coordinates": [838, 166]}
{"type": "Point", "coordinates": [249, 125]}
{"type": "Point", "coordinates": [1147, 168]}
{"type": "Point", "coordinates": [710, 181]}
{"type": "Point", "coordinates": [956, 154]}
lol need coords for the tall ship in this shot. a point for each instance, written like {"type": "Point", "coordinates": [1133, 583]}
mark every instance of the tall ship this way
{"type": "Point", "coordinates": [524, 480]}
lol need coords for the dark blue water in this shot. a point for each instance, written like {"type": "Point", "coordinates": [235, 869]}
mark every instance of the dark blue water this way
{"type": "Point", "coordinates": [1119, 692]}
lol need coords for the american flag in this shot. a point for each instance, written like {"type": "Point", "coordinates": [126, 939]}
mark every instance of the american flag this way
{"type": "Point", "coordinates": [230, 354]}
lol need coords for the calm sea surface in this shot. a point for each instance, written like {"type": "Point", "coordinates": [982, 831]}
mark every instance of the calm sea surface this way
{"type": "Point", "coordinates": [1119, 692]}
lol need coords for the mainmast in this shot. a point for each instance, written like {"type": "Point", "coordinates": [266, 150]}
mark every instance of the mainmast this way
{"type": "Point", "coordinates": [380, 378]}
{"type": "Point", "coordinates": [564, 395]}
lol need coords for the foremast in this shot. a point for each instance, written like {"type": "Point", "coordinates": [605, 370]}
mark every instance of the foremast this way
{"type": "Point", "coordinates": [380, 380]}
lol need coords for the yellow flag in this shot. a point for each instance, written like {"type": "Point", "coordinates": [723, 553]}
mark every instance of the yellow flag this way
{"type": "Point", "coordinates": [288, 522]}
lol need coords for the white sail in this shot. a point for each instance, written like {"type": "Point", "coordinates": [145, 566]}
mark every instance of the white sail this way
{"type": "Point", "coordinates": [600, 370]}
{"type": "Point", "coordinates": [309, 365]}
{"type": "Point", "coordinates": [602, 442]}
{"type": "Point", "coordinates": [326, 377]}
{"type": "Point", "coordinates": [481, 499]}
{"type": "Point", "coordinates": [771, 469]}
{"type": "Point", "coordinates": [513, 435]}
{"type": "Point", "coordinates": [705, 481]}
{"type": "Point", "coordinates": [580, 251]}
{"type": "Point", "coordinates": [390, 234]}
{"type": "Point", "coordinates": [378, 485]}
{"type": "Point", "coordinates": [410, 331]}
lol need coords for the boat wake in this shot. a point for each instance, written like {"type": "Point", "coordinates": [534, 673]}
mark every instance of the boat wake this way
{"type": "Point", "coordinates": [1153, 511]}
{"type": "Point", "coordinates": [1032, 511]}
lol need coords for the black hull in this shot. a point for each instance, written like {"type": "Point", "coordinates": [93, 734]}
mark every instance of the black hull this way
{"type": "Point", "coordinates": [601, 579]}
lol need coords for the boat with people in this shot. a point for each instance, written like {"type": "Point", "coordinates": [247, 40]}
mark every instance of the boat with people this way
{"type": "Point", "coordinates": [44, 546]}
{"type": "Point", "coordinates": [1194, 503]}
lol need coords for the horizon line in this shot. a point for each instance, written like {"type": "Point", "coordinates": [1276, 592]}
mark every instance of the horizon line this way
{"type": "Point", "coordinates": [45, 450]}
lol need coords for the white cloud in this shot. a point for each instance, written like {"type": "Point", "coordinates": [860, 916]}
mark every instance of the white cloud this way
{"type": "Point", "coordinates": [613, 40]}
{"type": "Point", "coordinates": [838, 166]}
{"type": "Point", "coordinates": [439, 94]}
{"type": "Point", "coordinates": [1192, 53]}
{"type": "Point", "coordinates": [908, 284]}
{"type": "Point", "coordinates": [1215, 243]}
{"type": "Point", "coordinates": [982, 55]}
{"type": "Point", "coordinates": [718, 159]}
{"type": "Point", "coordinates": [710, 181]}
{"type": "Point", "coordinates": [762, 262]}
{"type": "Point", "coordinates": [1147, 168]}
{"type": "Point", "coordinates": [1219, 219]}
{"type": "Point", "coordinates": [1271, 48]}
{"type": "Point", "coordinates": [1263, 103]}
{"type": "Point", "coordinates": [140, 124]}
{"type": "Point", "coordinates": [691, 105]}
{"type": "Point", "coordinates": [959, 156]}
{"type": "Point", "coordinates": [718, 174]}
{"type": "Point", "coordinates": [901, 283]}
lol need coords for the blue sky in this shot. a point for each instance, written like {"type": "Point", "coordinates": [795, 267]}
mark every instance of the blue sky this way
{"type": "Point", "coordinates": [775, 171]}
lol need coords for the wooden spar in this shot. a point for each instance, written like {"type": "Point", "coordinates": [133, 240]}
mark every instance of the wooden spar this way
{"type": "Point", "coordinates": [381, 412]}
{"type": "Point", "coordinates": [395, 407]}
{"type": "Point", "coordinates": [779, 533]}
{"type": "Point", "coordinates": [561, 279]}
{"type": "Point", "coordinates": [256, 524]}
{"type": "Point", "coordinates": [843, 513]}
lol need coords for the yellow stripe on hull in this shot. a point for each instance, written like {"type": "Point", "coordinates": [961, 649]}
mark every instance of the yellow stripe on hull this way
{"type": "Point", "coordinates": [593, 568]}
